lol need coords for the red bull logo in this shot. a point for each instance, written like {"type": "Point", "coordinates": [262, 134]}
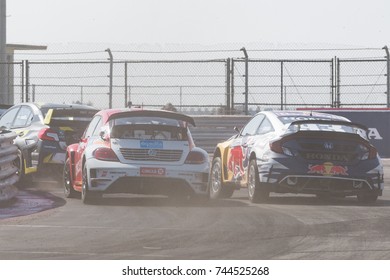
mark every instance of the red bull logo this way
{"type": "Point", "coordinates": [328, 169]}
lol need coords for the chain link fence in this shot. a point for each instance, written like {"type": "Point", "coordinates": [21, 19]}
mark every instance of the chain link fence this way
{"type": "Point", "coordinates": [362, 83]}
{"type": "Point", "coordinates": [283, 84]}
{"type": "Point", "coordinates": [205, 86]}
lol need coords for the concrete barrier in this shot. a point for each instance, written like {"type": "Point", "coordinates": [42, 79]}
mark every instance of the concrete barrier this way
{"type": "Point", "coordinates": [210, 130]}
{"type": "Point", "coordinates": [8, 171]}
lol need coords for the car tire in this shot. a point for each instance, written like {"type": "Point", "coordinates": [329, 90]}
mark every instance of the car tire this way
{"type": "Point", "coordinates": [367, 197]}
{"type": "Point", "coordinates": [257, 191]}
{"type": "Point", "coordinates": [216, 187]}
{"type": "Point", "coordinates": [19, 163]}
{"type": "Point", "coordinates": [67, 181]}
{"type": "Point", "coordinates": [87, 196]}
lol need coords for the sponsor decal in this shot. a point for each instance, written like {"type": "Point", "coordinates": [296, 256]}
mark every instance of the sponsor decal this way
{"type": "Point", "coordinates": [328, 169]}
{"type": "Point", "coordinates": [103, 173]}
{"type": "Point", "coordinates": [152, 171]}
{"type": "Point", "coordinates": [235, 161]}
{"type": "Point", "coordinates": [151, 144]}
{"type": "Point", "coordinates": [373, 133]}
{"type": "Point", "coordinates": [319, 156]}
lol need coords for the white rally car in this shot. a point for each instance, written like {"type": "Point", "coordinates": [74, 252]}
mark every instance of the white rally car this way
{"type": "Point", "coordinates": [136, 151]}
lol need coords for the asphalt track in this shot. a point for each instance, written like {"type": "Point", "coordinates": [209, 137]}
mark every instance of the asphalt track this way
{"type": "Point", "coordinates": [40, 224]}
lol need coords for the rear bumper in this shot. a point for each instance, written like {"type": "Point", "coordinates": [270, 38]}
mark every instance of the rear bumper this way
{"type": "Point", "coordinates": [334, 185]}
{"type": "Point", "coordinates": [116, 177]}
{"type": "Point", "coordinates": [288, 176]}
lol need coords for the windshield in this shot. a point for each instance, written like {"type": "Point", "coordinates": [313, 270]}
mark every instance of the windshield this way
{"type": "Point", "coordinates": [144, 128]}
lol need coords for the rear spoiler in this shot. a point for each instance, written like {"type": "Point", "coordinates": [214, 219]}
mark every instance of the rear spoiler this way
{"type": "Point", "coordinates": [61, 115]}
{"type": "Point", "coordinates": [330, 122]}
{"type": "Point", "coordinates": [154, 113]}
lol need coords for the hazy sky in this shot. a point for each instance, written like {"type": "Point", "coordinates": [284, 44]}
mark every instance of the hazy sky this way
{"type": "Point", "coordinates": [348, 22]}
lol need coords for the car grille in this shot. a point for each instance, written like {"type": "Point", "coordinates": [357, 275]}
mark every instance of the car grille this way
{"type": "Point", "coordinates": [151, 154]}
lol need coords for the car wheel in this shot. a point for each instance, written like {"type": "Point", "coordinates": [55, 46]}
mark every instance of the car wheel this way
{"type": "Point", "coordinates": [367, 197]}
{"type": "Point", "coordinates": [19, 163]}
{"type": "Point", "coordinates": [87, 196]}
{"type": "Point", "coordinates": [216, 188]}
{"type": "Point", "coordinates": [256, 190]}
{"type": "Point", "coordinates": [67, 180]}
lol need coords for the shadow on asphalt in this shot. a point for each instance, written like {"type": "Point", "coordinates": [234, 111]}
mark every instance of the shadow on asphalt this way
{"type": "Point", "coordinates": [161, 201]}
{"type": "Point", "coordinates": [313, 200]}
{"type": "Point", "coordinates": [28, 202]}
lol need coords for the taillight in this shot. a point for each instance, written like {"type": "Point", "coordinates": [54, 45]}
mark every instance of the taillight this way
{"type": "Point", "coordinates": [373, 153]}
{"type": "Point", "coordinates": [195, 157]}
{"type": "Point", "coordinates": [369, 152]}
{"type": "Point", "coordinates": [48, 134]}
{"type": "Point", "coordinates": [105, 154]}
{"type": "Point", "coordinates": [277, 147]}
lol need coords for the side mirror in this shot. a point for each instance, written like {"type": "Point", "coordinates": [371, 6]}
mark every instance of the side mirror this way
{"type": "Point", "coordinates": [103, 134]}
{"type": "Point", "coordinates": [236, 129]}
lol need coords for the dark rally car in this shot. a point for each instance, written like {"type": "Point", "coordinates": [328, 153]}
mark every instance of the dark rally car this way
{"type": "Point", "coordinates": [298, 152]}
{"type": "Point", "coordinates": [44, 131]}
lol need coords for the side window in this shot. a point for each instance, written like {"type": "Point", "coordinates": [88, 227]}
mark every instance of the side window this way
{"type": "Point", "coordinates": [97, 128]}
{"type": "Point", "coordinates": [252, 125]}
{"type": "Point", "coordinates": [91, 127]}
{"type": "Point", "coordinates": [265, 127]}
{"type": "Point", "coordinates": [23, 118]}
{"type": "Point", "coordinates": [8, 118]}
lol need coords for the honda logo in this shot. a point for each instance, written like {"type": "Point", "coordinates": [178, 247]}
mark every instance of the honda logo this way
{"type": "Point", "coordinates": [328, 146]}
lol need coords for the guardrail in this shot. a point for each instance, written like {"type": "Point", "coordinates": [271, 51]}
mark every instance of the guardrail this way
{"type": "Point", "coordinates": [8, 171]}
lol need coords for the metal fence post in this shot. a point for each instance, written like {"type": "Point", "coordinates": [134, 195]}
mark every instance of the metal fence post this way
{"type": "Point", "coordinates": [33, 93]}
{"type": "Point", "coordinates": [228, 108]}
{"type": "Point", "coordinates": [281, 85]}
{"type": "Point", "coordinates": [388, 75]}
{"type": "Point", "coordinates": [22, 82]}
{"type": "Point", "coordinates": [27, 68]}
{"type": "Point", "coordinates": [338, 101]}
{"type": "Point", "coordinates": [232, 110]}
{"type": "Point", "coordinates": [332, 84]}
{"type": "Point", "coordinates": [111, 78]}
{"type": "Point", "coordinates": [246, 80]}
{"type": "Point", "coordinates": [126, 105]}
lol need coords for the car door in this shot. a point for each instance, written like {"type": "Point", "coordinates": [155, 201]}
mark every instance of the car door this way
{"type": "Point", "coordinates": [85, 140]}
{"type": "Point", "coordinates": [239, 150]}
{"type": "Point", "coordinates": [20, 119]}
{"type": "Point", "coordinates": [27, 139]}
{"type": "Point", "coordinates": [264, 134]}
